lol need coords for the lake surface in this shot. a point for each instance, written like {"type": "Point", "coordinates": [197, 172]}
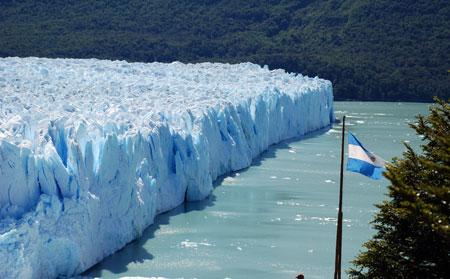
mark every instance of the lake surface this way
{"type": "Point", "coordinates": [277, 218]}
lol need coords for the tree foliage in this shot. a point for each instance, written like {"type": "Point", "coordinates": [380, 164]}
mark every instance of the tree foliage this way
{"type": "Point", "coordinates": [413, 226]}
{"type": "Point", "coordinates": [369, 49]}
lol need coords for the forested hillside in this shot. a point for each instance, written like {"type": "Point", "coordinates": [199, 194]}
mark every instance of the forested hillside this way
{"type": "Point", "coordinates": [369, 49]}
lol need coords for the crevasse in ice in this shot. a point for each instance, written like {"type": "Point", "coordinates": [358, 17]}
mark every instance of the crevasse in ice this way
{"type": "Point", "coordinates": [92, 150]}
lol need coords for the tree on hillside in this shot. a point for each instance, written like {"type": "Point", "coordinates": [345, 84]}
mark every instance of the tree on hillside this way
{"type": "Point", "coordinates": [413, 232]}
{"type": "Point", "coordinates": [369, 49]}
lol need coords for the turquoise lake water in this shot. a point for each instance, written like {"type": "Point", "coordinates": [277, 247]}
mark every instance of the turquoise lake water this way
{"type": "Point", "coordinates": [277, 218]}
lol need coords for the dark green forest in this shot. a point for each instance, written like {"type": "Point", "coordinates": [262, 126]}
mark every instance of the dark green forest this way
{"type": "Point", "coordinates": [370, 49]}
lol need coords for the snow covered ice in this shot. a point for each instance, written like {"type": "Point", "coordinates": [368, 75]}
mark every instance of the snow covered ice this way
{"type": "Point", "coordinates": [92, 150]}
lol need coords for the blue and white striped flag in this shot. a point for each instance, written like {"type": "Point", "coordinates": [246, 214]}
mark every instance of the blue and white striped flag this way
{"type": "Point", "coordinates": [362, 160]}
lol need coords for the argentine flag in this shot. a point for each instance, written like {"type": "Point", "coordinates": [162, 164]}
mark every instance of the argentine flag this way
{"type": "Point", "coordinates": [362, 160]}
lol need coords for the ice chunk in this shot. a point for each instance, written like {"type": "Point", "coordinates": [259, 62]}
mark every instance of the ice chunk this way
{"type": "Point", "coordinates": [92, 150]}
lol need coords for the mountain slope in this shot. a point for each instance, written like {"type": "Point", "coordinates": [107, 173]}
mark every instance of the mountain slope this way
{"type": "Point", "coordinates": [370, 50]}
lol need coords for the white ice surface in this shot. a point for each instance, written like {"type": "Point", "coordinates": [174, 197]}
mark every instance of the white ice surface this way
{"type": "Point", "coordinates": [92, 150]}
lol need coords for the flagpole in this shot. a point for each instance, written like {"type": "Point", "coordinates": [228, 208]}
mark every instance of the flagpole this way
{"type": "Point", "coordinates": [337, 267]}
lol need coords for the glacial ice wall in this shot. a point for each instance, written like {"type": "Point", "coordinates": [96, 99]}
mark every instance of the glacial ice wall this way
{"type": "Point", "coordinates": [92, 150]}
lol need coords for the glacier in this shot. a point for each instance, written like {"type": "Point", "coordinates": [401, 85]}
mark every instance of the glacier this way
{"type": "Point", "coordinates": [92, 150]}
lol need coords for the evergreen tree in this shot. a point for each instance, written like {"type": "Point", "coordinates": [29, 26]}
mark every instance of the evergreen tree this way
{"type": "Point", "coordinates": [413, 234]}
